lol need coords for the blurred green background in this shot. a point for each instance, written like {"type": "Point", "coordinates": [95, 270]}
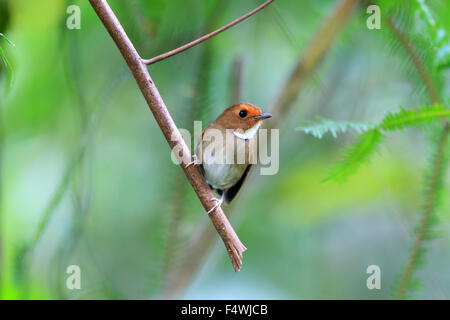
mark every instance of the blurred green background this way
{"type": "Point", "coordinates": [86, 176]}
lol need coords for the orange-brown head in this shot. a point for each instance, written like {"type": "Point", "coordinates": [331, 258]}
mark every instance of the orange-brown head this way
{"type": "Point", "coordinates": [241, 116]}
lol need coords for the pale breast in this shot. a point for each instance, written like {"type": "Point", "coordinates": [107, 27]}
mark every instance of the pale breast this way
{"type": "Point", "coordinates": [223, 176]}
{"type": "Point", "coordinates": [225, 163]}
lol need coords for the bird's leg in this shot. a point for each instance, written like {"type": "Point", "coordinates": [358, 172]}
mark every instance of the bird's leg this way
{"type": "Point", "coordinates": [194, 162]}
{"type": "Point", "coordinates": [218, 203]}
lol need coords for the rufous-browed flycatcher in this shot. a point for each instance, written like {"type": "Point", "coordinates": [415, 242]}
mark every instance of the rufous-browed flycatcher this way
{"type": "Point", "coordinates": [226, 149]}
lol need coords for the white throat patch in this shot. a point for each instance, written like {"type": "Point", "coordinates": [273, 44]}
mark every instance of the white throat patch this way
{"type": "Point", "coordinates": [248, 134]}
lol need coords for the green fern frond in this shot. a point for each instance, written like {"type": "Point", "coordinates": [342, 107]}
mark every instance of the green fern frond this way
{"type": "Point", "coordinates": [323, 126]}
{"type": "Point", "coordinates": [367, 143]}
{"type": "Point", "coordinates": [392, 121]}
{"type": "Point", "coordinates": [356, 155]}
{"type": "Point", "coordinates": [422, 115]}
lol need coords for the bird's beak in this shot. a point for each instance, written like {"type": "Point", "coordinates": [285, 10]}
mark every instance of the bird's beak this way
{"type": "Point", "coordinates": [263, 116]}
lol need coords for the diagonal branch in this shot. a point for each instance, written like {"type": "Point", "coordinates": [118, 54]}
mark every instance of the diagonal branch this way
{"type": "Point", "coordinates": [206, 36]}
{"type": "Point", "coordinates": [157, 106]}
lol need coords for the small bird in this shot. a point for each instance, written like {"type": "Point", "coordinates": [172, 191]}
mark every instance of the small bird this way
{"type": "Point", "coordinates": [226, 149]}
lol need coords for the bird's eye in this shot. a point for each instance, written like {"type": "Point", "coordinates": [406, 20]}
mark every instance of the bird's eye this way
{"type": "Point", "coordinates": [242, 113]}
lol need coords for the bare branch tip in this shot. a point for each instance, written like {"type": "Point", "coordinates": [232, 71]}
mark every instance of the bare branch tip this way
{"type": "Point", "coordinates": [205, 37]}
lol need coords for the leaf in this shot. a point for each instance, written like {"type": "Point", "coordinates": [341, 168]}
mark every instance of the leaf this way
{"type": "Point", "coordinates": [403, 118]}
{"type": "Point", "coordinates": [367, 143]}
{"type": "Point", "coordinates": [323, 126]}
{"type": "Point", "coordinates": [356, 155]}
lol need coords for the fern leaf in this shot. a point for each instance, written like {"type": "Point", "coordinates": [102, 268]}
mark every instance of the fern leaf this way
{"type": "Point", "coordinates": [404, 118]}
{"type": "Point", "coordinates": [356, 155]}
{"type": "Point", "coordinates": [367, 143]}
{"type": "Point", "coordinates": [323, 126]}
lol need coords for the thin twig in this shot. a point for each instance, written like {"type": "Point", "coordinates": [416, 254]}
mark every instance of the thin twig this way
{"type": "Point", "coordinates": [173, 136]}
{"type": "Point", "coordinates": [206, 36]}
{"type": "Point", "coordinates": [203, 239]}
{"type": "Point", "coordinates": [430, 200]}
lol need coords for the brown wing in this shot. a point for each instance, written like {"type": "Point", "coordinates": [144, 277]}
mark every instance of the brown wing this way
{"type": "Point", "coordinates": [231, 192]}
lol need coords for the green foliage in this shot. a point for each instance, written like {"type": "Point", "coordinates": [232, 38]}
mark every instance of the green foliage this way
{"type": "Point", "coordinates": [392, 121]}
{"type": "Point", "coordinates": [324, 126]}
{"type": "Point", "coordinates": [404, 118]}
{"type": "Point", "coordinates": [356, 155]}
{"type": "Point", "coordinates": [410, 34]}
{"type": "Point", "coordinates": [367, 143]}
